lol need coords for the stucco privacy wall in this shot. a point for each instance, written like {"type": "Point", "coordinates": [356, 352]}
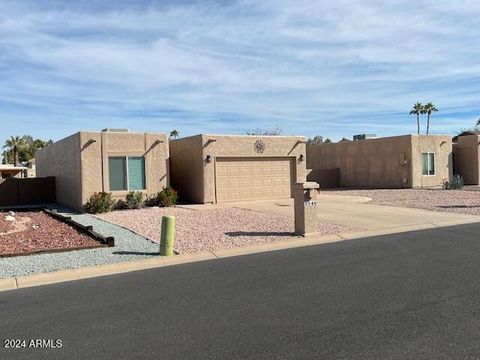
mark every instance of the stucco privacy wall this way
{"type": "Point", "coordinates": [383, 163]}
{"type": "Point", "coordinates": [391, 162]}
{"type": "Point", "coordinates": [186, 168]}
{"type": "Point", "coordinates": [62, 160]}
{"type": "Point", "coordinates": [441, 145]}
{"type": "Point", "coordinates": [188, 159]}
{"type": "Point", "coordinates": [467, 158]}
{"type": "Point", "coordinates": [97, 147]}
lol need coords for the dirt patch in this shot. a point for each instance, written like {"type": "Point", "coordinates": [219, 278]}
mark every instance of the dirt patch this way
{"type": "Point", "coordinates": [213, 229]}
{"type": "Point", "coordinates": [458, 201]}
{"type": "Point", "coordinates": [35, 231]}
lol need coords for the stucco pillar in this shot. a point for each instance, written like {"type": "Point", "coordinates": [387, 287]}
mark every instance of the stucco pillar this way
{"type": "Point", "coordinates": [305, 206]}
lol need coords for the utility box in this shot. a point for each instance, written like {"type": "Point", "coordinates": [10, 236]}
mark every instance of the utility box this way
{"type": "Point", "coordinates": [305, 206]}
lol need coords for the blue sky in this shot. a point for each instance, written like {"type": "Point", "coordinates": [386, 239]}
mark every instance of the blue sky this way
{"type": "Point", "coordinates": [334, 68]}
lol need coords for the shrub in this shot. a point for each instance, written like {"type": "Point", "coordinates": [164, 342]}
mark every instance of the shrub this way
{"type": "Point", "coordinates": [167, 197]}
{"type": "Point", "coordinates": [458, 182]}
{"type": "Point", "coordinates": [134, 200]}
{"type": "Point", "coordinates": [99, 203]}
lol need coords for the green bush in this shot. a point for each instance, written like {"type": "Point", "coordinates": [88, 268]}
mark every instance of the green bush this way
{"type": "Point", "coordinates": [134, 200]}
{"type": "Point", "coordinates": [99, 203]}
{"type": "Point", "coordinates": [458, 182]}
{"type": "Point", "coordinates": [167, 197]}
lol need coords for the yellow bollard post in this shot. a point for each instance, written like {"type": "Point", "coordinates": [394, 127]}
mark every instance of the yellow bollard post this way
{"type": "Point", "coordinates": [167, 237]}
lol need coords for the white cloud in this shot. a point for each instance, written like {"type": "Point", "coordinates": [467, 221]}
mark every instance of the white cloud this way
{"type": "Point", "coordinates": [312, 67]}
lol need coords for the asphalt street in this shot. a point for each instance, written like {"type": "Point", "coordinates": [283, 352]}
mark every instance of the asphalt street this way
{"type": "Point", "coordinates": [407, 296]}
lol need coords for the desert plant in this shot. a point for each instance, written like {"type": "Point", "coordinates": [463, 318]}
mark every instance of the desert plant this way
{"type": "Point", "coordinates": [134, 200]}
{"type": "Point", "coordinates": [167, 197]}
{"type": "Point", "coordinates": [99, 203]}
{"type": "Point", "coordinates": [458, 182]}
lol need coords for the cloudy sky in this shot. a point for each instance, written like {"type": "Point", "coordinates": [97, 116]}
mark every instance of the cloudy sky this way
{"type": "Point", "coordinates": [334, 68]}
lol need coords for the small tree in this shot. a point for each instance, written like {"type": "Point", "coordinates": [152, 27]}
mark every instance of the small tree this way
{"type": "Point", "coordinates": [417, 110]}
{"type": "Point", "coordinates": [315, 140]}
{"type": "Point", "coordinates": [275, 131]}
{"type": "Point", "coordinates": [327, 141]}
{"type": "Point", "coordinates": [478, 122]}
{"type": "Point", "coordinates": [429, 109]}
{"type": "Point", "coordinates": [174, 134]}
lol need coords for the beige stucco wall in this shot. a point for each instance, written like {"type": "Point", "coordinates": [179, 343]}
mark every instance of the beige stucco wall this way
{"type": "Point", "coordinates": [186, 168]}
{"type": "Point", "coordinates": [80, 163]}
{"type": "Point", "coordinates": [391, 162]}
{"type": "Point", "coordinates": [441, 145]}
{"type": "Point", "coordinates": [467, 158]}
{"type": "Point", "coordinates": [243, 146]}
{"type": "Point", "coordinates": [62, 160]}
{"type": "Point", "coordinates": [382, 163]}
{"type": "Point", "coordinates": [94, 160]}
{"type": "Point", "coordinates": [189, 168]}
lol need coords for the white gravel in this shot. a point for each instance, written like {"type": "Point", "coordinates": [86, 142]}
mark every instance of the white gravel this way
{"type": "Point", "coordinates": [200, 230]}
{"type": "Point", "coordinates": [128, 246]}
{"type": "Point", "coordinates": [459, 201]}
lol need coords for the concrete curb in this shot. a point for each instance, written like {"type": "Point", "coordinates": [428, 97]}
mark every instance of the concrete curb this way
{"type": "Point", "coordinates": [118, 268]}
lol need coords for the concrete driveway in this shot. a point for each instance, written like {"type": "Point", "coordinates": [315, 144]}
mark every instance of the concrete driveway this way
{"type": "Point", "coordinates": [354, 211]}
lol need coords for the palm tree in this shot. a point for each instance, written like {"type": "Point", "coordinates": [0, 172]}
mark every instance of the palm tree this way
{"type": "Point", "coordinates": [429, 109]}
{"type": "Point", "coordinates": [174, 134]}
{"type": "Point", "coordinates": [15, 144]}
{"type": "Point", "coordinates": [417, 110]}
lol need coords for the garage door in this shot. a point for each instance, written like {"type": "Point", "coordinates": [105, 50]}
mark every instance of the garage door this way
{"type": "Point", "coordinates": [241, 179]}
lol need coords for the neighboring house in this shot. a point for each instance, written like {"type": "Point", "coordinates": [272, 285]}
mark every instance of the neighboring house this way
{"type": "Point", "coordinates": [466, 154]}
{"type": "Point", "coordinates": [410, 161]}
{"type": "Point", "coordinates": [10, 170]}
{"type": "Point", "coordinates": [222, 168]}
{"type": "Point", "coordinates": [115, 161]}
{"type": "Point", "coordinates": [31, 169]}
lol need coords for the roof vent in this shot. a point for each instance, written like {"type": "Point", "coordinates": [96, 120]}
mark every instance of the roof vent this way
{"type": "Point", "coordinates": [114, 130]}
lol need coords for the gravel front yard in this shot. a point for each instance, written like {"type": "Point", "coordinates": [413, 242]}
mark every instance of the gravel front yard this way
{"type": "Point", "coordinates": [200, 230]}
{"type": "Point", "coordinates": [459, 201]}
{"type": "Point", "coordinates": [34, 231]}
{"type": "Point", "coordinates": [128, 246]}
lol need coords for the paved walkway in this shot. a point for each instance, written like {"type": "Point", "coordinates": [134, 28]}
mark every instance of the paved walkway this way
{"type": "Point", "coordinates": [354, 211]}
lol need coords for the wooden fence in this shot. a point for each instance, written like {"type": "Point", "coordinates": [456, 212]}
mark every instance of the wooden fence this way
{"type": "Point", "coordinates": [27, 191]}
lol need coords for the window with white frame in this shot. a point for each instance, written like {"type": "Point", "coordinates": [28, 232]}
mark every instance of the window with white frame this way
{"type": "Point", "coordinates": [126, 173]}
{"type": "Point", "coordinates": [428, 164]}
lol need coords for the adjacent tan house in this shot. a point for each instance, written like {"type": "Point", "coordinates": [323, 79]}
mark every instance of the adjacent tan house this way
{"type": "Point", "coordinates": [410, 161]}
{"type": "Point", "coordinates": [10, 170]}
{"type": "Point", "coordinates": [222, 168]}
{"type": "Point", "coordinates": [115, 161]}
{"type": "Point", "coordinates": [466, 153]}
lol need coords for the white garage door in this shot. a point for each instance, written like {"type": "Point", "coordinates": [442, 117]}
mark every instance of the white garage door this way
{"type": "Point", "coordinates": [241, 179]}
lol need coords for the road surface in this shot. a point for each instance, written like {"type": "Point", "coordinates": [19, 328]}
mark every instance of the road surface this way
{"type": "Point", "coordinates": [408, 296]}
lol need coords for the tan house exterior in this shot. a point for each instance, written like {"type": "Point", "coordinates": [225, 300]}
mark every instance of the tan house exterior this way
{"type": "Point", "coordinates": [83, 162]}
{"type": "Point", "coordinates": [10, 170]}
{"type": "Point", "coordinates": [223, 168]}
{"type": "Point", "coordinates": [409, 161]}
{"type": "Point", "coordinates": [467, 158]}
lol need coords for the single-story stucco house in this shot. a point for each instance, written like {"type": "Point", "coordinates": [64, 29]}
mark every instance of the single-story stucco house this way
{"type": "Point", "coordinates": [116, 161]}
{"type": "Point", "coordinates": [10, 170]}
{"type": "Point", "coordinates": [221, 168]}
{"type": "Point", "coordinates": [466, 151]}
{"type": "Point", "coordinates": [409, 161]}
